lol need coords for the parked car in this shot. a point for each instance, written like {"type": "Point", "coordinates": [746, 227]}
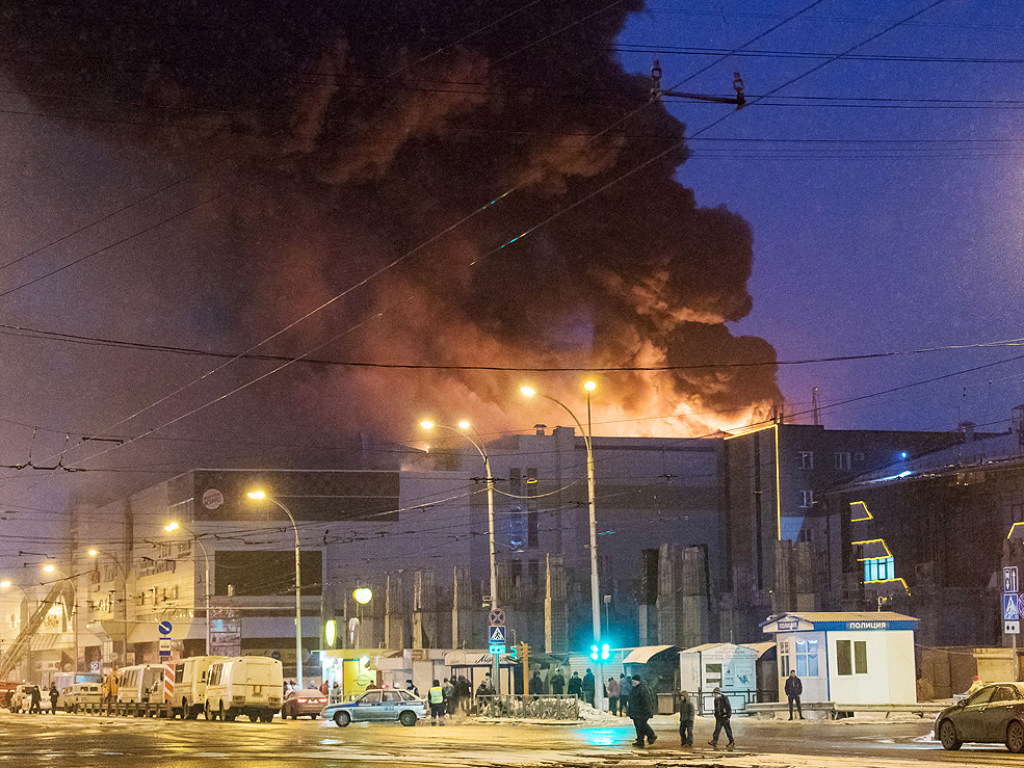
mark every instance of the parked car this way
{"type": "Point", "coordinates": [21, 699]}
{"type": "Point", "coordinates": [307, 701]}
{"type": "Point", "coordinates": [79, 695]}
{"type": "Point", "coordinates": [993, 715]}
{"type": "Point", "coordinates": [190, 676]}
{"type": "Point", "coordinates": [245, 685]}
{"type": "Point", "coordinates": [378, 705]}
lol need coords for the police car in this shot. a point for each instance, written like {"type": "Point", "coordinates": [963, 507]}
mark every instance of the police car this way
{"type": "Point", "coordinates": [378, 705]}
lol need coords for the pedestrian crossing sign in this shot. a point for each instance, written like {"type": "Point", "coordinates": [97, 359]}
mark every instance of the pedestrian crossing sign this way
{"type": "Point", "coordinates": [1010, 612]}
{"type": "Point", "coordinates": [497, 634]}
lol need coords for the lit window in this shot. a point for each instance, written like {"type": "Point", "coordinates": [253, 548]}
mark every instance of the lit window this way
{"type": "Point", "coordinates": [807, 658]}
{"type": "Point", "coordinates": [879, 569]}
{"type": "Point", "coordinates": [806, 499]}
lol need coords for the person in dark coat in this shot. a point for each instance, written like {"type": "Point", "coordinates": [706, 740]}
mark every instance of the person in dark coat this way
{"type": "Point", "coordinates": [537, 683]}
{"type": "Point", "coordinates": [36, 698]}
{"type": "Point", "coordinates": [589, 687]}
{"type": "Point", "coordinates": [557, 682]}
{"type": "Point", "coordinates": [686, 713]}
{"type": "Point", "coordinates": [723, 711]}
{"type": "Point", "coordinates": [794, 687]}
{"type": "Point", "coordinates": [54, 695]}
{"type": "Point", "coordinates": [640, 710]}
{"type": "Point", "coordinates": [575, 686]}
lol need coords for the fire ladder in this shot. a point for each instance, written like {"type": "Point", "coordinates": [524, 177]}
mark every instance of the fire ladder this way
{"type": "Point", "coordinates": [23, 642]}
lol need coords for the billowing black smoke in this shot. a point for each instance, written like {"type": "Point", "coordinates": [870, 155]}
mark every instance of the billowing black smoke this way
{"type": "Point", "coordinates": [352, 132]}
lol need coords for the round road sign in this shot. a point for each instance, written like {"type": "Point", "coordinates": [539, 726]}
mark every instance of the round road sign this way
{"type": "Point", "coordinates": [496, 618]}
{"type": "Point", "coordinates": [165, 628]}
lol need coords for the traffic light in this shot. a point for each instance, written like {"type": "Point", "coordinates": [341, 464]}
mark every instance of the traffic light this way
{"type": "Point", "coordinates": [600, 654]}
{"type": "Point", "coordinates": [513, 652]}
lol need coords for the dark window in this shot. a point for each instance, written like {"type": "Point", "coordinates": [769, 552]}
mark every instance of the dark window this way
{"type": "Point", "coordinates": [531, 488]}
{"type": "Point", "coordinates": [533, 530]}
{"type": "Point", "coordinates": [263, 572]}
{"type": "Point", "coordinates": [843, 660]}
{"type": "Point", "coordinates": [517, 571]}
{"type": "Point", "coordinates": [533, 568]}
{"type": "Point", "coordinates": [515, 481]}
{"type": "Point", "coordinates": [517, 533]}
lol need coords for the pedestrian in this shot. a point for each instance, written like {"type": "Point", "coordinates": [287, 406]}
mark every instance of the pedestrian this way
{"type": "Point", "coordinates": [537, 683]}
{"type": "Point", "coordinates": [685, 719]}
{"type": "Point", "coordinates": [794, 687]}
{"type": "Point", "coordinates": [451, 698]}
{"type": "Point", "coordinates": [325, 687]}
{"type": "Point", "coordinates": [411, 688]}
{"type": "Point", "coordinates": [641, 709]}
{"type": "Point", "coordinates": [36, 698]}
{"type": "Point", "coordinates": [625, 683]}
{"type": "Point", "coordinates": [723, 711]}
{"type": "Point", "coordinates": [436, 698]}
{"type": "Point", "coordinates": [589, 687]}
{"type": "Point", "coordinates": [576, 685]}
{"type": "Point", "coordinates": [54, 695]}
{"type": "Point", "coordinates": [557, 681]}
{"type": "Point", "coordinates": [465, 692]}
{"type": "Point", "coordinates": [613, 694]}
{"type": "Point", "coordinates": [336, 692]}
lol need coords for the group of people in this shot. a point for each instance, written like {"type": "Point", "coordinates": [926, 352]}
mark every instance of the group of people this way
{"type": "Point", "coordinates": [445, 698]}
{"type": "Point", "coordinates": [643, 705]}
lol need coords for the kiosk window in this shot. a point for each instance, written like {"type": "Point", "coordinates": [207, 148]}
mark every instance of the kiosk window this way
{"type": "Point", "coordinates": [852, 657]}
{"type": "Point", "coordinates": [807, 658]}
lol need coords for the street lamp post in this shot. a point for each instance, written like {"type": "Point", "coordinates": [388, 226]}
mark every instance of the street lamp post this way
{"type": "Point", "coordinates": [262, 496]}
{"type": "Point", "coordinates": [171, 527]}
{"type": "Point", "coordinates": [463, 427]}
{"type": "Point", "coordinates": [124, 601]}
{"type": "Point", "coordinates": [51, 568]}
{"type": "Point", "coordinates": [595, 589]}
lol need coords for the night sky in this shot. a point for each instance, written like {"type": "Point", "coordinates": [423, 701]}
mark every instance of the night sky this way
{"type": "Point", "coordinates": [201, 178]}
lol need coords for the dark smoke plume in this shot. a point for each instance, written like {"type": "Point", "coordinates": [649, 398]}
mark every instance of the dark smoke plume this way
{"type": "Point", "coordinates": [351, 132]}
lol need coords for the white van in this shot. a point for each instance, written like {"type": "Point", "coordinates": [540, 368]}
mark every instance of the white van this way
{"type": "Point", "coordinates": [140, 689]}
{"type": "Point", "coordinates": [245, 685]}
{"type": "Point", "coordinates": [190, 685]}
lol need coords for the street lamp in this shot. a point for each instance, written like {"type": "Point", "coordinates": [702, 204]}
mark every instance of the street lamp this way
{"type": "Point", "coordinates": [262, 496]}
{"type": "Point", "coordinates": [173, 526]}
{"type": "Point", "coordinates": [595, 589]}
{"type": "Point", "coordinates": [463, 428]}
{"type": "Point", "coordinates": [51, 568]}
{"type": "Point", "coordinates": [124, 600]}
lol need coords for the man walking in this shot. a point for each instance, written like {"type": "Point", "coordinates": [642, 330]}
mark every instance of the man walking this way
{"type": "Point", "coordinates": [451, 697]}
{"type": "Point", "coordinates": [723, 711]}
{"type": "Point", "coordinates": [54, 695]}
{"type": "Point", "coordinates": [640, 710]}
{"type": "Point", "coordinates": [558, 683]}
{"type": "Point", "coordinates": [686, 720]}
{"type": "Point", "coordinates": [794, 687]}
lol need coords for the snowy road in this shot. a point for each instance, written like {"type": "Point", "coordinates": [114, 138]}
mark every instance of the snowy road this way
{"type": "Point", "coordinates": [67, 741]}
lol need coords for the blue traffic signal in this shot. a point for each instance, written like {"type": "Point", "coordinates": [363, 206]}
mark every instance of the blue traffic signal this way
{"type": "Point", "coordinates": [606, 652]}
{"type": "Point", "coordinates": [593, 652]}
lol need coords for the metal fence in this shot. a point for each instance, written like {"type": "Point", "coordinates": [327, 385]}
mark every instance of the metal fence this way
{"type": "Point", "coordinates": [539, 707]}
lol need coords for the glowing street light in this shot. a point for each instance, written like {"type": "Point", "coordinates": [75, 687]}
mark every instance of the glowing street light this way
{"type": "Point", "coordinates": [260, 495]}
{"type": "Point", "coordinates": [173, 526]}
{"type": "Point", "coordinates": [463, 429]}
{"type": "Point", "coordinates": [595, 591]}
{"type": "Point", "coordinates": [362, 595]}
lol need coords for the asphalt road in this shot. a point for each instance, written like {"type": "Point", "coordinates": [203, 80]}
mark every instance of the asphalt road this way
{"type": "Point", "coordinates": [69, 741]}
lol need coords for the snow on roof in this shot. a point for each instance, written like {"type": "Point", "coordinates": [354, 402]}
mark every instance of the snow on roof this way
{"type": "Point", "coordinates": [644, 653]}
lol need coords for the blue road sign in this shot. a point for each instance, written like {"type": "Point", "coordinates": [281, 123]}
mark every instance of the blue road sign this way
{"type": "Point", "coordinates": [1010, 578]}
{"type": "Point", "coordinates": [165, 628]}
{"type": "Point", "coordinates": [1010, 612]}
{"type": "Point", "coordinates": [497, 649]}
{"type": "Point", "coordinates": [496, 635]}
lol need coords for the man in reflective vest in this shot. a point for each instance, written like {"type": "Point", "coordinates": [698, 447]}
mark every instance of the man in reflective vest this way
{"type": "Point", "coordinates": [436, 698]}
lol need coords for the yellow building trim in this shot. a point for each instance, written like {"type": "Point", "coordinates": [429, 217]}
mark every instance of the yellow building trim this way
{"type": "Point", "coordinates": [867, 512]}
